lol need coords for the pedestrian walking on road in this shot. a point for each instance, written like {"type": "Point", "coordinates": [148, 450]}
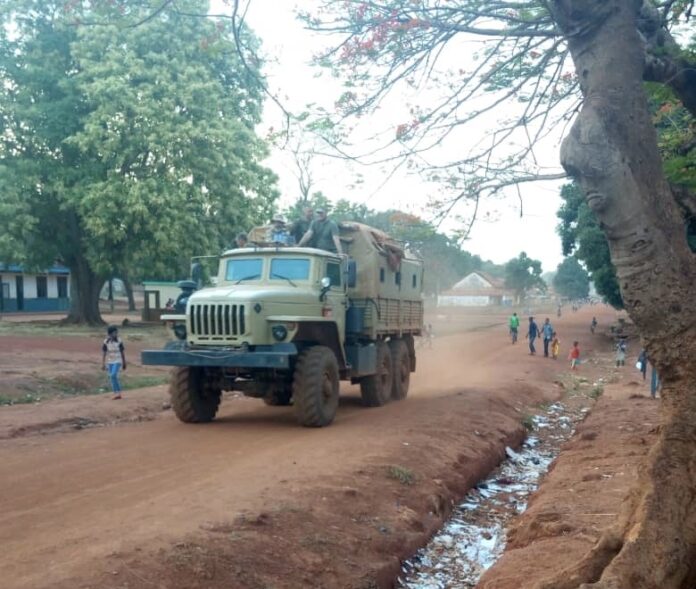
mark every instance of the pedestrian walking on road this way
{"type": "Point", "coordinates": [574, 356]}
{"type": "Point", "coordinates": [547, 332]}
{"type": "Point", "coordinates": [514, 325]}
{"type": "Point", "coordinates": [621, 348]}
{"type": "Point", "coordinates": [555, 346]}
{"type": "Point", "coordinates": [532, 334]}
{"type": "Point", "coordinates": [113, 358]}
{"type": "Point", "coordinates": [643, 362]}
{"type": "Point", "coordinates": [655, 384]}
{"type": "Point", "coordinates": [593, 325]}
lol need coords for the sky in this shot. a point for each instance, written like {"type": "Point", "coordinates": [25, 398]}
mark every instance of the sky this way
{"type": "Point", "coordinates": [499, 234]}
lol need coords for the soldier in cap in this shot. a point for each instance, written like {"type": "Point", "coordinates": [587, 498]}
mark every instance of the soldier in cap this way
{"type": "Point", "coordinates": [323, 234]}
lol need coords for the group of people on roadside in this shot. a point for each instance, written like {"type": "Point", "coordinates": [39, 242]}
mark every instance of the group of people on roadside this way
{"type": "Point", "coordinates": [314, 229]}
{"type": "Point", "coordinates": [552, 344]}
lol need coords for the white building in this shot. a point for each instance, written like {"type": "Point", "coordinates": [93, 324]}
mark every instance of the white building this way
{"type": "Point", "coordinates": [476, 290]}
{"type": "Point", "coordinates": [32, 292]}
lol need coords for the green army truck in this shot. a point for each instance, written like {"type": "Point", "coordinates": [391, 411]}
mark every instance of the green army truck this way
{"type": "Point", "coordinates": [286, 324]}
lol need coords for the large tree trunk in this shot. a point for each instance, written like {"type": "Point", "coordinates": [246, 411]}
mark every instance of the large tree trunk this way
{"type": "Point", "coordinates": [129, 292]}
{"type": "Point", "coordinates": [84, 294]}
{"type": "Point", "coordinates": [612, 152]}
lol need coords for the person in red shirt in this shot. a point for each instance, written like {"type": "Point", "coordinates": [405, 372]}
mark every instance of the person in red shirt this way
{"type": "Point", "coordinates": [574, 356]}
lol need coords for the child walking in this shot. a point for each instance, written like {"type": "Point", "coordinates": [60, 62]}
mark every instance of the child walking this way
{"type": "Point", "coordinates": [621, 348]}
{"type": "Point", "coordinates": [113, 358]}
{"type": "Point", "coordinates": [555, 346]}
{"type": "Point", "coordinates": [574, 356]}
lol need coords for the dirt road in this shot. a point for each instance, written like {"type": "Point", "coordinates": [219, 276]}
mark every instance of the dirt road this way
{"type": "Point", "coordinates": [72, 503]}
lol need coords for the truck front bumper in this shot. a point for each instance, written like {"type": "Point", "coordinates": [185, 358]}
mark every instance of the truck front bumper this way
{"type": "Point", "coordinates": [275, 356]}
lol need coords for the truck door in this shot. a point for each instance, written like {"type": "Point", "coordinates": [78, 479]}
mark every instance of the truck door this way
{"type": "Point", "coordinates": [336, 296]}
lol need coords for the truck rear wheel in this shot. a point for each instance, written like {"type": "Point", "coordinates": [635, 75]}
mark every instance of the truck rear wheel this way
{"type": "Point", "coordinates": [195, 398]}
{"type": "Point", "coordinates": [401, 360]}
{"type": "Point", "coordinates": [376, 389]}
{"type": "Point", "coordinates": [315, 387]}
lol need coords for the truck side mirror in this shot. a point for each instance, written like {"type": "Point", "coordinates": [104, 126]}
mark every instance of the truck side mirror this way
{"type": "Point", "coordinates": [351, 273]}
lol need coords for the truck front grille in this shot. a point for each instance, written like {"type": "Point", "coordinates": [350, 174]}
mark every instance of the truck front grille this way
{"type": "Point", "coordinates": [217, 321]}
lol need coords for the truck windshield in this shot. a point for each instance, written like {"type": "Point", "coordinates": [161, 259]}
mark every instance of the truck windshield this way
{"type": "Point", "coordinates": [243, 269]}
{"type": "Point", "coordinates": [289, 269]}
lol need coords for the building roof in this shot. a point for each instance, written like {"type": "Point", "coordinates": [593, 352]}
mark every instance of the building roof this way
{"type": "Point", "coordinates": [19, 269]}
{"type": "Point", "coordinates": [469, 282]}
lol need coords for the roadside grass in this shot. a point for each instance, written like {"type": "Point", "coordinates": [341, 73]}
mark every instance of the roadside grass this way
{"type": "Point", "coordinates": [528, 422]}
{"type": "Point", "coordinates": [43, 389]}
{"type": "Point", "coordinates": [142, 381]}
{"type": "Point", "coordinates": [154, 334]}
{"type": "Point", "coordinates": [402, 474]}
{"type": "Point", "coordinates": [596, 392]}
{"type": "Point", "coordinates": [26, 399]}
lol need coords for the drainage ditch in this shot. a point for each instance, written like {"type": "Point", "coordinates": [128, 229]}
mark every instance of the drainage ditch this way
{"type": "Point", "coordinates": [474, 536]}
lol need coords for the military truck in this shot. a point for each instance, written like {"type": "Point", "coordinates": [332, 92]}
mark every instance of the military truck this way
{"type": "Point", "coordinates": [286, 324]}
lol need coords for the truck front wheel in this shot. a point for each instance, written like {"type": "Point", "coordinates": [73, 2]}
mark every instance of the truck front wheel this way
{"type": "Point", "coordinates": [315, 387]}
{"type": "Point", "coordinates": [376, 389]}
{"type": "Point", "coordinates": [195, 396]}
{"type": "Point", "coordinates": [401, 361]}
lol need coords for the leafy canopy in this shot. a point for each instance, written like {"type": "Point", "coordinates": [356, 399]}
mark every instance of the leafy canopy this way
{"type": "Point", "coordinates": [571, 280]}
{"type": "Point", "coordinates": [522, 274]}
{"type": "Point", "coordinates": [125, 146]}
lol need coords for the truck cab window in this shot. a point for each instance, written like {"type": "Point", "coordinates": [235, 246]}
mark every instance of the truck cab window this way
{"type": "Point", "coordinates": [333, 271]}
{"type": "Point", "coordinates": [243, 269]}
{"type": "Point", "coordinates": [289, 268]}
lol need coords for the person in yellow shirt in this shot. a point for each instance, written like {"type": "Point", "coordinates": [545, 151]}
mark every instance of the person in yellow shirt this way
{"type": "Point", "coordinates": [555, 346]}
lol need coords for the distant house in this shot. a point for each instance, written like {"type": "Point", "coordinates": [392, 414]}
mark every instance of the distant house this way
{"type": "Point", "coordinates": [476, 290]}
{"type": "Point", "coordinates": [31, 292]}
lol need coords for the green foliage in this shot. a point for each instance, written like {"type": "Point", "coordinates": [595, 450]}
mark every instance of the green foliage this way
{"type": "Point", "coordinates": [571, 280]}
{"type": "Point", "coordinates": [402, 474]}
{"type": "Point", "coordinates": [596, 392]}
{"type": "Point", "coordinates": [523, 274]}
{"type": "Point", "coordinates": [582, 237]}
{"type": "Point", "coordinates": [676, 129]}
{"type": "Point", "coordinates": [528, 423]}
{"type": "Point", "coordinates": [125, 148]}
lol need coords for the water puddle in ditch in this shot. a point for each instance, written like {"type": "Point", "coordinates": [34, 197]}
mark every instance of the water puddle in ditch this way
{"type": "Point", "coordinates": [474, 536]}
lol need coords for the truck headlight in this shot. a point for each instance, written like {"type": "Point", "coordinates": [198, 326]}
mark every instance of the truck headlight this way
{"type": "Point", "coordinates": [280, 332]}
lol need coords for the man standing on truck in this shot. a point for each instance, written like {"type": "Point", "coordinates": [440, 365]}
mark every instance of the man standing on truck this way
{"type": "Point", "coordinates": [323, 234]}
{"type": "Point", "coordinates": [301, 226]}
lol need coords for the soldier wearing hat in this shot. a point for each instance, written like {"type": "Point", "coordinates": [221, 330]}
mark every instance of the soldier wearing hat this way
{"type": "Point", "coordinates": [277, 232]}
{"type": "Point", "coordinates": [323, 233]}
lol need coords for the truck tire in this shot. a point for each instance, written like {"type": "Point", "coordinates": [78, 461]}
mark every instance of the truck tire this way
{"type": "Point", "coordinates": [401, 361]}
{"type": "Point", "coordinates": [376, 389]}
{"type": "Point", "coordinates": [315, 387]}
{"type": "Point", "coordinates": [195, 399]}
